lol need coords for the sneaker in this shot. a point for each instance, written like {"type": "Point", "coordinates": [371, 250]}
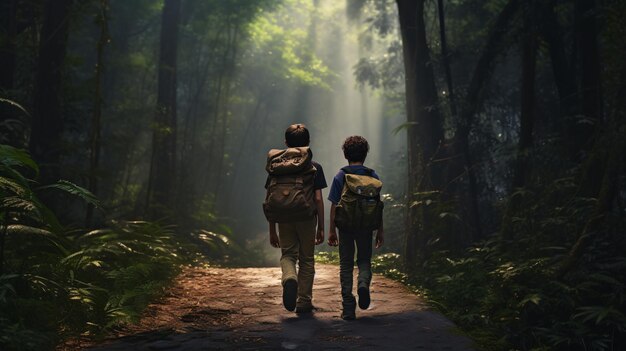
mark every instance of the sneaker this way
{"type": "Point", "coordinates": [304, 309]}
{"type": "Point", "coordinates": [290, 294]}
{"type": "Point", "coordinates": [348, 315]}
{"type": "Point", "coordinates": [364, 297]}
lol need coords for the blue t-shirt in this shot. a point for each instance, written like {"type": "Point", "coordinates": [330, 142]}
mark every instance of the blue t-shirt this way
{"type": "Point", "coordinates": [335, 189]}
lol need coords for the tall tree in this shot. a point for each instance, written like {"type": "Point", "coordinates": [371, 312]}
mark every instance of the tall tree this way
{"type": "Point", "coordinates": [47, 121]}
{"type": "Point", "coordinates": [590, 84]}
{"type": "Point", "coordinates": [230, 69]}
{"type": "Point", "coordinates": [527, 118]}
{"type": "Point", "coordinates": [521, 169]}
{"type": "Point", "coordinates": [496, 45]}
{"type": "Point", "coordinates": [476, 91]}
{"type": "Point", "coordinates": [94, 160]}
{"type": "Point", "coordinates": [466, 166]}
{"type": "Point", "coordinates": [562, 70]}
{"type": "Point", "coordinates": [8, 31]}
{"type": "Point", "coordinates": [163, 163]}
{"type": "Point", "coordinates": [445, 57]}
{"type": "Point", "coordinates": [424, 124]}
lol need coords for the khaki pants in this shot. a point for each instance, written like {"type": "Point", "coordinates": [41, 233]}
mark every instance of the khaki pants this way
{"type": "Point", "coordinates": [297, 243]}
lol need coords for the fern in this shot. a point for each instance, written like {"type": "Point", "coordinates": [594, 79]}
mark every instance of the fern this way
{"type": "Point", "coordinates": [11, 157]}
{"type": "Point", "coordinates": [16, 105]}
{"type": "Point", "coordinates": [12, 187]}
{"type": "Point", "coordinates": [73, 189]}
{"type": "Point", "coordinates": [78, 282]}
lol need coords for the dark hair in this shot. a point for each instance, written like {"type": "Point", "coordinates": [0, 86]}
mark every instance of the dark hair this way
{"type": "Point", "coordinates": [355, 148]}
{"type": "Point", "coordinates": [297, 135]}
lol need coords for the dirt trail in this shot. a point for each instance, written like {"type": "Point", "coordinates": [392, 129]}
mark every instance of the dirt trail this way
{"type": "Point", "coordinates": [241, 309]}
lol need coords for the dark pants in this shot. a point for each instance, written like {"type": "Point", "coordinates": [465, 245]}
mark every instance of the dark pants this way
{"type": "Point", "coordinates": [347, 241]}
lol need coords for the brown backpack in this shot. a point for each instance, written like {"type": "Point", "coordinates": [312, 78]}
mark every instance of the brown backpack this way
{"type": "Point", "coordinates": [290, 195]}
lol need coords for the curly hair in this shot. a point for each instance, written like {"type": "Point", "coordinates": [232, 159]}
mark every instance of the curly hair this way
{"type": "Point", "coordinates": [355, 148]}
{"type": "Point", "coordinates": [297, 135]}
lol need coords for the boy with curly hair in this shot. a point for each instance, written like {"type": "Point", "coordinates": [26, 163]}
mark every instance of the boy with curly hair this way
{"type": "Point", "coordinates": [355, 149]}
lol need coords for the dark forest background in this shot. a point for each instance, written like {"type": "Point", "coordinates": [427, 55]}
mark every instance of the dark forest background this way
{"type": "Point", "coordinates": [134, 134]}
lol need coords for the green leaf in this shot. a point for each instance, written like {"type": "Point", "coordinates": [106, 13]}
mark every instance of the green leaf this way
{"type": "Point", "coordinates": [401, 127]}
{"type": "Point", "coordinates": [20, 229]}
{"type": "Point", "coordinates": [19, 204]}
{"type": "Point", "coordinates": [16, 105]}
{"type": "Point", "coordinates": [11, 156]}
{"type": "Point", "coordinates": [531, 298]}
{"type": "Point", "coordinates": [75, 190]}
{"type": "Point", "coordinates": [8, 185]}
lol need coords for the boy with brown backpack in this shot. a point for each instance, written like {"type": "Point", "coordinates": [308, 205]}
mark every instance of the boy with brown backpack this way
{"type": "Point", "coordinates": [294, 201]}
{"type": "Point", "coordinates": [357, 211]}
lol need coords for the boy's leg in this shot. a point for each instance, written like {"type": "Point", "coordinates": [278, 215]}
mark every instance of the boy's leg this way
{"type": "Point", "coordinates": [364, 258]}
{"type": "Point", "coordinates": [289, 246]}
{"type": "Point", "coordinates": [364, 262]}
{"type": "Point", "coordinates": [306, 263]}
{"type": "Point", "coordinates": [346, 265]}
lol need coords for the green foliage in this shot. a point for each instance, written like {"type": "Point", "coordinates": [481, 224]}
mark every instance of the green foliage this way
{"type": "Point", "coordinates": [57, 282]}
{"type": "Point", "coordinates": [505, 292]}
{"type": "Point", "coordinates": [328, 257]}
{"type": "Point", "coordinates": [277, 38]}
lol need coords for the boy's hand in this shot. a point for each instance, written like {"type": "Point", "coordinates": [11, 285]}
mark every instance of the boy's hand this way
{"type": "Point", "coordinates": [332, 239]}
{"type": "Point", "coordinates": [380, 238]}
{"type": "Point", "coordinates": [274, 240]}
{"type": "Point", "coordinates": [319, 236]}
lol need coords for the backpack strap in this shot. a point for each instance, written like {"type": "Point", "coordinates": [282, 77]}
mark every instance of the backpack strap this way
{"type": "Point", "coordinates": [299, 182]}
{"type": "Point", "coordinates": [348, 170]}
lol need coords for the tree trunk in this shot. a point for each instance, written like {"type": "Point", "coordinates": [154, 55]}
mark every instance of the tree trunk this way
{"type": "Point", "coordinates": [47, 119]}
{"type": "Point", "coordinates": [186, 188]}
{"type": "Point", "coordinates": [472, 196]}
{"type": "Point", "coordinates": [527, 118]}
{"type": "Point", "coordinates": [222, 81]}
{"type": "Point", "coordinates": [8, 32]}
{"type": "Point", "coordinates": [562, 68]}
{"type": "Point", "coordinates": [484, 67]}
{"type": "Point", "coordinates": [445, 58]}
{"type": "Point", "coordinates": [472, 104]}
{"type": "Point", "coordinates": [225, 112]}
{"type": "Point", "coordinates": [590, 85]}
{"type": "Point", "coordinates": [425, 128]}
{"type": "Point", "coordinates": [163, 164]}
{"type": "Point", "coordinates": [94, 161]}
{"type": "Point", "coordinates": [592, 105]}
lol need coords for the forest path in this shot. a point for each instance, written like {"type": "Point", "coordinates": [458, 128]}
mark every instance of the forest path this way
{"type": "Point", "coordinates": [241, 309]}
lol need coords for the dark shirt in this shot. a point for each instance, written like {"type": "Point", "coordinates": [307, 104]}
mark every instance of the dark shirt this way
{"type": "Point", "coordinates": [335, 190]}
{"type": "Point", "coordinates": [319, 181]}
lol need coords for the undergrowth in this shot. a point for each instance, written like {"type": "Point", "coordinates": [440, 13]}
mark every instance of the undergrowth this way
{"type": "Point", "coordinates": [58, 283]}
{"type": "Point", "coordinates": [506, 295]}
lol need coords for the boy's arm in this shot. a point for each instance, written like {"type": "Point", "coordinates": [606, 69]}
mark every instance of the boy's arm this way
{"type": "Point", "coordinates": [332, 234]}
{"type": "Point", "coordinates": [380, 236]}
{"type": "Point", "coordinates": [273, 236]}
{"type": "Point", "coordinates": [319, 203]}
